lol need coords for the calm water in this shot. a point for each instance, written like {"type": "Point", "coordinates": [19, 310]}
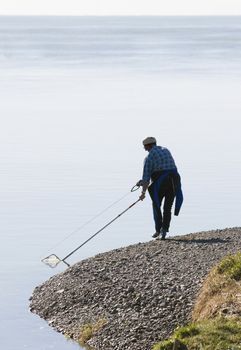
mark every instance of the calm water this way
{"type": "Point", "coordinates": [77, 96]}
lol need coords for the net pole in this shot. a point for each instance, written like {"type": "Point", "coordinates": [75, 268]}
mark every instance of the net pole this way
{"type": "Point", "coordinates": [95, 234]}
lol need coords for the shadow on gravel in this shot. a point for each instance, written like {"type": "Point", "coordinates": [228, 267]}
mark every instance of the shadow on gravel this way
{"type": "Point", "coordinates": [200, 241]}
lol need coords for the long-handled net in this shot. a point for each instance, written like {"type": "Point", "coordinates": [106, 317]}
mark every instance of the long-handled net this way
{"type": "Point", "coordinates": [53, 260]}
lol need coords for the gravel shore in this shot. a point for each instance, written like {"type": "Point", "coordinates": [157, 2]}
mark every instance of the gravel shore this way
{"type": "Point", "coordinates": [143, 291]}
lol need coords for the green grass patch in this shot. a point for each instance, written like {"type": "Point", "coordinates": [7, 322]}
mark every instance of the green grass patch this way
{"type": "Point", "coordinates": [187, 331]}
{"type": "Point", "coordinates": [88, 330]}
{"type": "Point", "coordinates": [170, 344]}
{"type": "Point", "coordinates": [231, 266]}
{"type": "Point", "coordinates": [216, 334]}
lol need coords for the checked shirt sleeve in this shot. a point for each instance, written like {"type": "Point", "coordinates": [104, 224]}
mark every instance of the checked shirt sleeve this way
{"type": "Point", "coordinates": [148, 169]}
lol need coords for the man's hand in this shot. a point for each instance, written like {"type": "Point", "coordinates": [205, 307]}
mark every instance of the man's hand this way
{"type": "Point", "coordinates": [139, 183]}
{"type": "Point", "coordinates": [142, 196]}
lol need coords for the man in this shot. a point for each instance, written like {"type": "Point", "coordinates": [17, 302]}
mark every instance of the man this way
{"type": "Point", "coordinates": [160, 167]}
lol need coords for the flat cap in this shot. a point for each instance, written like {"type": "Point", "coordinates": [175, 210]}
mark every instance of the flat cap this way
{"type": "Point", "coordinates": [149, 141]}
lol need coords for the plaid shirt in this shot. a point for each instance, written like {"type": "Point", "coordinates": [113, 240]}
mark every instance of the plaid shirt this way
{"type": "Point", "coordinates": [159, 158]}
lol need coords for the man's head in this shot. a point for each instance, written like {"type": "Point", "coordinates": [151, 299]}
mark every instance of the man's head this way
{"type": "Point", "coordinates": [148, 143]}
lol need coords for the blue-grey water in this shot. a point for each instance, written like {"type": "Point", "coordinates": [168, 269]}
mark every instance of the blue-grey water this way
{"type": "Point", "coordinates": [77, 96]}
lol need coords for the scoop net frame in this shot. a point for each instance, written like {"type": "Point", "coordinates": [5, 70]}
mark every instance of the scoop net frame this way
{"type": "Point", "coordinates": [53, 260]}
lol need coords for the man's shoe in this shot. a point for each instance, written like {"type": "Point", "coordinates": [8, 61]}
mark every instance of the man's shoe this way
{"type": "Point", "coordinates": [156, 235]}
{"type": "Point", "coordinates": [164, 233]}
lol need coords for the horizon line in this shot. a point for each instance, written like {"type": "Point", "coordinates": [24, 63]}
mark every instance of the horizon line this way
{"type": "Point", "coordinates": [120, 15]}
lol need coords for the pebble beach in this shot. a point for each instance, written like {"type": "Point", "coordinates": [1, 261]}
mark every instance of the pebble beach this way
{"type": "Point", "coordinates": [142, 292]}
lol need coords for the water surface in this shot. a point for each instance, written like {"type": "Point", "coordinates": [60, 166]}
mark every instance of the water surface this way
{"type": "Point", "coordinates": [77, 96]}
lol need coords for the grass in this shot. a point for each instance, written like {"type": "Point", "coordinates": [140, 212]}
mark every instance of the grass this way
{"type": "Point", "coordinates": [231, 267]}
{"type": "Point", "coordinates": [221, 289]}
{"type": "Point", "coordinates": [88, 330]}
{"type": "Point", "coordinates": [212, 328]}
{"type": "Point", "coordinates": [216, 334]}
{"type": "Point", "coordinates": [170, 344]}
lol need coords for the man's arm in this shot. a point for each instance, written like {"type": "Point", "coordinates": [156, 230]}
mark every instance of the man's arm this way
{"type": "Point", "coordinates": [144, 188]}
{"type": "Point", "coordinates": [147, 170]}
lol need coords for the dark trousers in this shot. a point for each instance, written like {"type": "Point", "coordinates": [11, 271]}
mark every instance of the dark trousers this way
{"type": "Point", "coordinates": [162, 192]}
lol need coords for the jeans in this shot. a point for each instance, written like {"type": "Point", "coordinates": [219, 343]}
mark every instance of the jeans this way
{"type": "Point", "coordinates": [163, 191]}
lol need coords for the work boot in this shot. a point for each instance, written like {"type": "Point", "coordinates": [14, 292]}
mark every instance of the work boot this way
{"type": "Point", "coordinates": [156, 235]}
{"type": "Point", "coordinates": [163, 233]}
